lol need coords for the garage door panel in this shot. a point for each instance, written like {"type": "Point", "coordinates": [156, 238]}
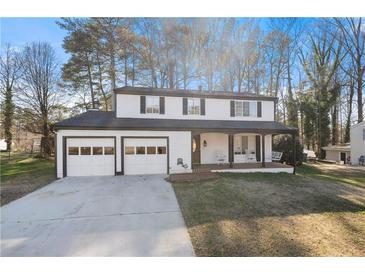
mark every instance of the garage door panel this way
{"type": "Point", "coordinates": [90, 165]}
{"type": "Point", "coordinates": [135, 164]}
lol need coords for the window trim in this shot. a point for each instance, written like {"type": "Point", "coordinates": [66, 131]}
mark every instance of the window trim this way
{"type": "Point", "coordinates": [196, 102]}
{"type": "Point", "coordinates": [89, 147]}
{"type": "Point", "coordinates": [144, 150]}
{"type": "Point", "coordinates": [241, 111]}
{"type": "Point", "coordinates": [155, 106]}
{"type": "Point", "coordinates": [109, 153]}
{"type": "Point", "coordinates": [102, 150]}
{"type": "Point", "coordinates": [78, 151]}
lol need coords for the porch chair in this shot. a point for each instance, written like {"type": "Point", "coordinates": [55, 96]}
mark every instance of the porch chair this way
{"type": "Point", "coordinates": [220, 157]}
{"type": "Point", "coordinates": [276, 156]}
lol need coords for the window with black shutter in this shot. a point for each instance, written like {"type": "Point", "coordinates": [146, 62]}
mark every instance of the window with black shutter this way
{"type": "Point", "coordinates": [202, 106]}
{"type": "Point", "coordinates": [143, 104]}
{"type": "Point", "coordinates": [185, 106]}
{"type": "Point", "coordinates": [162, 105]}
{"type": "Point", "coordinates": [232, 109]}
{"type": "Point", "coordinates": [259, 109]}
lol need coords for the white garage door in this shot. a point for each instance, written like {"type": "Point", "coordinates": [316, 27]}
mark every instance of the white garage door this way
{"type": "Point", "coordinates": [90, 156]}
{"type": "Point", "coordinates": [145, 156]}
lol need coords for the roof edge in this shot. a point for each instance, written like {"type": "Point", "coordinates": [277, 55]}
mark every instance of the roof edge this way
{"type": "Point", "coordinates": [192, 93]}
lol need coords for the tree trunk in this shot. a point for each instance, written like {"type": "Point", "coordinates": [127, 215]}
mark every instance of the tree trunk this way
{"type": "Point", "coordinates": [349, 113]}
{"type": "Point", "coordinates": [360, 115]}
{"type": "Point", "coordinates": [8, 117]}
{"type": "Point", "coordinates": [90, 83]}
{"type": "Point", "coordinates": [334, 139]}
{"type": "Point", "coordinates": [45, 145]}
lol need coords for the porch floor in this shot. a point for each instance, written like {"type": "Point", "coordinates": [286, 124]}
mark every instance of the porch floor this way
{"type": "Point", "coordinates": [203, 168]}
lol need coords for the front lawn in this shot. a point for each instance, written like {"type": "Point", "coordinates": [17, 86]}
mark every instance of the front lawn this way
{"type": "Point", "coordinates": [21, 173]}
{"type": "Point", "coordinates": [314, 213]}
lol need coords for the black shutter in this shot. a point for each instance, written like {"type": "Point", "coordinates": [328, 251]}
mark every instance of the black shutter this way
{"type": "Point", "coordinates": [258, 148]}
{"type": "Point", "coordinates": [185, 106]}
{"type": "Point", "coordinates": [259, 109]}
{"type": "Point", "coordinates": [162, 105]}
{"type": "Point", "coordinates": [232, 109]}
{"type": "Point", "coordinates": [143, 104]}
{"type": "Point", "coordinates": [202, 106]}
{"type": "Point", "coordinates": [230, 149]}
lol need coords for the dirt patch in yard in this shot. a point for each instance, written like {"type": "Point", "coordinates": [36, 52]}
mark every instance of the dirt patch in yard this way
{"type": "Point", "coordinates": [273, 215]}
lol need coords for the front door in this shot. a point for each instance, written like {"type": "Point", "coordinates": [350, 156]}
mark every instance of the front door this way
{"type": "Point", "coordinates": [343, 157]}
{"type": "Point", "coordinates": [196, 149]}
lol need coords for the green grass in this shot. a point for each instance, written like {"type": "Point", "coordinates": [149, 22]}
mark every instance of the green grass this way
{"type": "Point", "coordinates": [22, 173]}
{"type": "Point", "coordinates": [23, 164]}
{"type": "Point", "coordinates": [347, 176]}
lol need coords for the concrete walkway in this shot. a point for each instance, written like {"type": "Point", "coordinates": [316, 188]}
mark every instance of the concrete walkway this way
{"type": "Point", "coordinates": [96, 216]}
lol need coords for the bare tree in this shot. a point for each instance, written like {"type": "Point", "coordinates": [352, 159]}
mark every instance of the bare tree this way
{"type": "Point", "coordinates": [9, 74]}
{"type": "Point", "coordinates": [38, 91]}
{"type": "Point", "coordinates": [354, 41]}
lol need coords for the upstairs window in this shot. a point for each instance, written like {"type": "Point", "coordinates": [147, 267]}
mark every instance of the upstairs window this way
{"type": "Point", "coordinates": [245, 109]}
{"type": "Point", "coordinates": [193, 106]}
{"type": "Point", "coordinates": [152, 104]}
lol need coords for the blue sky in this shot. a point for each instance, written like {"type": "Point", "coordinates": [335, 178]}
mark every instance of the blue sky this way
{"type": "Point", "coordinates": [19, 31]}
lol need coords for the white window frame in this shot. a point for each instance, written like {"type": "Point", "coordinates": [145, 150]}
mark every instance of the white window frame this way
{"type": "Point", "coordinates": [152, 104]}
{"type": "Point", "coordinates": [245, 108]}
{"type": "Point", "coordinates": [194, 107]}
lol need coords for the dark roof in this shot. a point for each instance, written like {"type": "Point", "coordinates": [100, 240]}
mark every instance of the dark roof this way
{"type": "Point", "coordinates": [193, 93]}
{"type": "Point", "coordinates": [107, 120]}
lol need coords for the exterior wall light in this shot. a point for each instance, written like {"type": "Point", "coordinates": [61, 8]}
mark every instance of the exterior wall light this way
{"type": "Point", "coordinates": [205, 143]}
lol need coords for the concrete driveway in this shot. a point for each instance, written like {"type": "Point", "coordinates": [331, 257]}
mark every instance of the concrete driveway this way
{"type": "Point", "coordinates": [96, 216]}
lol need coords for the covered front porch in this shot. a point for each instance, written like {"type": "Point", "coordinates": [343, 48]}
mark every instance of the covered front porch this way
{"type": "Point", "coordinates": [235, 151]}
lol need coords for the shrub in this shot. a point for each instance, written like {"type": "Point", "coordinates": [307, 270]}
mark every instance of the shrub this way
{"type": "Point", "coordinates": [284, 144]}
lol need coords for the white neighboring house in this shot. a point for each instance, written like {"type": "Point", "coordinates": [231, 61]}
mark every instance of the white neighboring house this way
{"type": "Point", "coordinates": [338, 153]}
{"type": "Point", "coordinates": [357, 135]}
{"type": "Point", "coordinates": [165, 131]}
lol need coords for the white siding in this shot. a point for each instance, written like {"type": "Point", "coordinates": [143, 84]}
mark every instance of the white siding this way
{"type": "Point", "coordinates": [357, 142]}
{"type": "Point", "coordinates": [332, 155]}
{"type": "Point", "coordinates": [128, 106]}
{"type": "Point", "coordinates": [217, 146]}
{"type": "Point", "coordinates": [179, 145]}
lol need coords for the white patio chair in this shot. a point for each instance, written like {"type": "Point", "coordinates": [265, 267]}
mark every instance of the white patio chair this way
{"type": "Point", "coordinates": [220, 157]}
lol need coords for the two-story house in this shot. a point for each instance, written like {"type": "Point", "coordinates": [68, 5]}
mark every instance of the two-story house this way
{"type": "Point", "coordinates": [162, 131]}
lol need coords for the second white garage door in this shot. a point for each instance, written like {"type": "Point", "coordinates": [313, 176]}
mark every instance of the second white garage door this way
{"type": "Point", "coordinates": [145, 156]}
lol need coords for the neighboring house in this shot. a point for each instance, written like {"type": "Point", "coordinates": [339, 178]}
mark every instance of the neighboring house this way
{"type": "Point", "coordinates": [357, 135]}
{"type": "Point", "coordinates": [338, 153]}
{"type": "Point", "coordinates": [154, 131]}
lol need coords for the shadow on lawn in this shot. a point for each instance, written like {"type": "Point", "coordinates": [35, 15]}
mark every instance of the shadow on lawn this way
{"type": "Point", "coordinates": [251, 214]}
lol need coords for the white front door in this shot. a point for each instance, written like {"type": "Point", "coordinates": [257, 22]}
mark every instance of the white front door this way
{"type": "Point", "coordinates": [90, 156]}
{"type": "Point", "coordinates": [145, 156]}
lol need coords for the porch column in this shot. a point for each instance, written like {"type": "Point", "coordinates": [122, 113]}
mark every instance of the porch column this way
{"type": "Point", "coordinates": [230, 150]}
{"type": "Point", "coordinates": [294, 152]}
{"type": "Point", "coordinates": [263, 150]}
